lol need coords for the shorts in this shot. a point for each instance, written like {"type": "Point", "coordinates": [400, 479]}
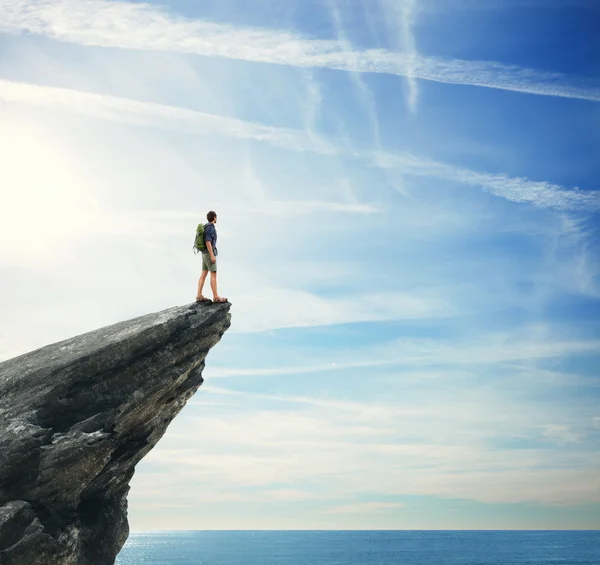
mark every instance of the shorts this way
{"type": "Point", "coordinates": [207, 265]}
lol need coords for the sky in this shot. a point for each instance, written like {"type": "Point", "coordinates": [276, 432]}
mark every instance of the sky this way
{"type": "Point", "coordinates": [408, 222]}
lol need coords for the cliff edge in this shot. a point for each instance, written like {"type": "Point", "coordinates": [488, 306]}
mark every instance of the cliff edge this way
{"type": "Point", "coordinates": [75, 419]}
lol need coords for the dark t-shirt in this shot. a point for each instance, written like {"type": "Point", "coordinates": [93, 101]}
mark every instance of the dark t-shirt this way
{"type": "Point", "coordinates": [210, 234]}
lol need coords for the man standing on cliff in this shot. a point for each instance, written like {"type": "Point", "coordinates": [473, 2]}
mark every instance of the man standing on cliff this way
{"type": "Point", "coordinates": [209, 260]}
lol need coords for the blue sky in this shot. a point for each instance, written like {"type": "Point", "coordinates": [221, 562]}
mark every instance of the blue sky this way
{"type": "Point", "coordinates": [408, 228]}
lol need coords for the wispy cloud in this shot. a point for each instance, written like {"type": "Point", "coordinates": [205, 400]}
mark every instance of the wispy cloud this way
{"type": "Point", "coordinates": [365, 93]}
{"type": "Point", "coordinates": [493, 348]}
{"type": "Point", "coordinates": [158, 115]}
{"type": "Point", "coordinates": [312, 104]}
{"type": "Point", "coordinates": [374, 457]}
{"type": "Point", "coordinates": [142, 26]}
{"type": "Point", "coordinates": [515, 189]}
{"type": "Point", "coordinates": [363, 508]}
{"type": "Point", "coordinates": [141, 219]}
{"type": "Point", "coordinates": [400, 19]}
{"type": "Point", "coordinates": [561, 434]}
{"type": "Point", "coordinates": [378, 411]}
{"type": "Point", "coordinates": [299, 207]}
{"type": "Point", "coordinates": [410, 48]}
{"type": "Point", "coordinates": [305, 309]}
{"type": "Point", "coordinates": [150, 495]}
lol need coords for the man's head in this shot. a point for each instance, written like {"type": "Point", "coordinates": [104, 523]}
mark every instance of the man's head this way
{"type": "Point", "coordinates": [212, 217]}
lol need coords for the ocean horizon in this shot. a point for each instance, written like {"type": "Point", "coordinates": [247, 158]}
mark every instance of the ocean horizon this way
{"type": "Point", "coordinates": [362, 547]}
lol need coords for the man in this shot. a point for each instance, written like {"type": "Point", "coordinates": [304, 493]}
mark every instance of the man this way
{"type": "Point", "coordinates": [209, 260]}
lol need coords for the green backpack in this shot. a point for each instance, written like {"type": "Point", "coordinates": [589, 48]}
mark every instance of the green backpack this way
{"type": "Point", "coordinates": [199, 244]}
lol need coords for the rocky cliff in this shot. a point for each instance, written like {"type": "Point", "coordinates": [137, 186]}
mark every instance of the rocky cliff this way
{"type": "Point", "coordinates": [75, 419]}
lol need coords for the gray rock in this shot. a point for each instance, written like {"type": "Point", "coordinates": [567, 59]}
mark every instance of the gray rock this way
{"type": "Point", "coordinates": [75, 419]}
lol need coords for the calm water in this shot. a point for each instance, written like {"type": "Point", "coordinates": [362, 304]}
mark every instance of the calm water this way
{"type": "Point", "coordinates": [361, 548]}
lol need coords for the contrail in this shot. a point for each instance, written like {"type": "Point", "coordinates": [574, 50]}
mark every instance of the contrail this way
{"type": "Point", "coordinates": [515, 189]}
{"type": "Point", "coordinates": [157, 115]}
{"type": "Point", "coordinates": [141, 26]}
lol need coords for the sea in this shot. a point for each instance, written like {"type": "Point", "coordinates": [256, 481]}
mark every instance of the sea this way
{"type": "Point", "coordinates": [362, 548]}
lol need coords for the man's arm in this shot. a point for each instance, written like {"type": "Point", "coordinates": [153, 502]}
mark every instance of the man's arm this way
{"type": "Point", "coordinates": [210, 250]}
{"type": "Point", "coordinates": [209, 240]}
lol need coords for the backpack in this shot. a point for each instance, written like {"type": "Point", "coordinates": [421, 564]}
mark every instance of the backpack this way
{"type": "Point", "coordinates": [199, 243]}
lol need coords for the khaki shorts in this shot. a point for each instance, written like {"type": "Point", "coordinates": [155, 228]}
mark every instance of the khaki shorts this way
{"type": "Point", "coordinates": [207, 265]}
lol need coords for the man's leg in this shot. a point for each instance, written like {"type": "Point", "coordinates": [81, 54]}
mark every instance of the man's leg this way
{"type": "Point", "coordinates": [213, 286]}
{"type": "Point", "coordinates": [201, 284]}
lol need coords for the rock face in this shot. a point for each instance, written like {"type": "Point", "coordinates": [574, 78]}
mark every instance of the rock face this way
{"type": "Point", "coordinates": [75, 419]}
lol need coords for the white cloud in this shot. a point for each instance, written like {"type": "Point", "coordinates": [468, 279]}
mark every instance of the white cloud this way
{"type": "Point", "coordinates": [293, 208]}
{"type": "Point", "coordinates": [410, 48]}
{"type": "Point", "coordinates": [254, 311]}
{"type": "Point", "coordinates": [400, 19]}
{"type": "Point", "coordinates": [484, 351]}
{"type": "Point", "coordinates": [360, 412]}
{"type": "Point", "coordinates": [546, 486]}
{"type": "Point", "coordinates": [363, 508]}
{"type": "Point", "coordinates": [142, 26]}
{"type": "Point", "coordinates": [330, 450]}
{"type": "Point", "coordinates": [365, 93]}
{"type": "Point", "coordinates": [157, 115]}
{"type": "Point", "coordinates": [515, 189]}
{"type": "Point", "coordinates": [561, 434]}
